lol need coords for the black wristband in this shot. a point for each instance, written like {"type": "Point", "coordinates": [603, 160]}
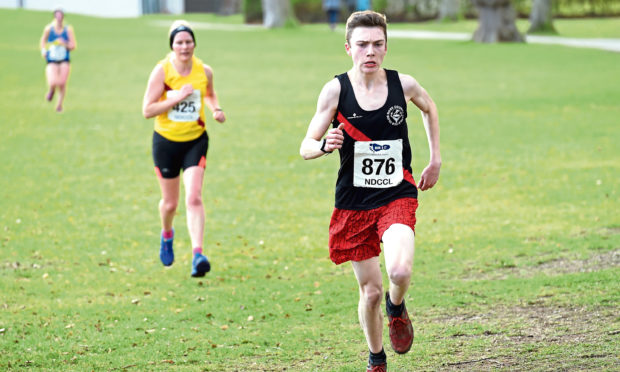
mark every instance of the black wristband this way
{"type": "Point", "coordinates": [323, 146]}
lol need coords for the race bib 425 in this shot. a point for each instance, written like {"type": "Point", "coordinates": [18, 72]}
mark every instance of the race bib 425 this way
{"type": "Point", "coordinates": [186, 110]}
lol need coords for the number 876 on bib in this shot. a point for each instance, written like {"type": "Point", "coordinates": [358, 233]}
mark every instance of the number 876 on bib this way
{"type": "Point", "coordinates": [378, 164]}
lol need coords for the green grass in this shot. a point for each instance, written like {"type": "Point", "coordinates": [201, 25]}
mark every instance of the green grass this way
{"type": "Point", "coordinates": [516, 263]}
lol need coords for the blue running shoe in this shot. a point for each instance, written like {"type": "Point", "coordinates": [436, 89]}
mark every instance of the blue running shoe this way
{"type": "Point", "coordinates": [200, 265]}
{"type": "Point", "coordinates": [166, 254]}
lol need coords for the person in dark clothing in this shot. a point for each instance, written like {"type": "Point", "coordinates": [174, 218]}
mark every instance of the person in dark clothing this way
{"type": "Point", "coordinates": [376, 195]}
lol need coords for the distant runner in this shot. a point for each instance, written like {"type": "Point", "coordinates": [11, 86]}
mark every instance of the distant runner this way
{"type": "Point", "coordinates": [56, 43]}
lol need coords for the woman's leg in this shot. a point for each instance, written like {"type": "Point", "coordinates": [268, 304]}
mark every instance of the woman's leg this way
{"type": "Point", "coordinates": [52, 71]}
{"type": "Point", "coordinates": [169, 201]}
{"type": "Point", "coordinates": [193, 179]}
{"type": "Point", "coordinates": [63, 77]}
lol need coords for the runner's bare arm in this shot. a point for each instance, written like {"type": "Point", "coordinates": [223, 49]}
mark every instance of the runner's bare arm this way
{"type": "Point", "coordinates": [151, 105]}
{"type": "Point", "coordinates": [211, 97]}
{"type": "Point", "coordinates": [325, 111]}
{"type": "Point", "coordinates": [43, 41]}
{"type": "Point", "coordinates": [416, 94]}
{"type": "Point", "coordinates": [71, 43]}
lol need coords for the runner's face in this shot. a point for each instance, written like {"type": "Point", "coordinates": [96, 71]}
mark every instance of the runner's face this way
{"type": "Point", "coordinates": [367, 48]}
{"type": "Point", "coordinates": [58, 16]}
{"type": "Point", "coordinates": [183, 46]}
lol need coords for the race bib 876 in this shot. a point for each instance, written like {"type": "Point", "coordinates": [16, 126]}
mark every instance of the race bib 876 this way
{"type": "Point", "coordinates": [186, 110]}
{"type": "Point", "coordinates": [378, 164]}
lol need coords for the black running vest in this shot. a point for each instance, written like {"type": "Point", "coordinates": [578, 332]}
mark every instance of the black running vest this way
{"type": "Point", "coordinates": [373, 168]}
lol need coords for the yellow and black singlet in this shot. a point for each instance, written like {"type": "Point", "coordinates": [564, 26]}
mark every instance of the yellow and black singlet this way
{"type": "Point", "coordinates": [186, 120]}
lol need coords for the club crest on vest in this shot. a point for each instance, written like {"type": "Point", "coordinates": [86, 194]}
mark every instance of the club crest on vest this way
{"type": "Point", "coordinates": [395, 115]}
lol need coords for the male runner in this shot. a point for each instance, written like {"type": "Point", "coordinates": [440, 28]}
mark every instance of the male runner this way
{"type": "Point", "coordinates": [376, 195]}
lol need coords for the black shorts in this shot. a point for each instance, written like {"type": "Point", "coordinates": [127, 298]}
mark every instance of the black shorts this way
{"type": "Point", "coordinates": [57, 62]}
{"type": "Point", "coordinates": [170, 156]}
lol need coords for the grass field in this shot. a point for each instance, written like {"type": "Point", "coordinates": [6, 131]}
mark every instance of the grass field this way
{"type": "Point", "coordinates": [517, 261]}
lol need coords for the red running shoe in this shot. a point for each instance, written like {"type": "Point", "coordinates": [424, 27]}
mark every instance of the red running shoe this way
{"type": "Point", "coordinates": [401, 330]}
{"type": "Point", "coordinates": [377, 368]}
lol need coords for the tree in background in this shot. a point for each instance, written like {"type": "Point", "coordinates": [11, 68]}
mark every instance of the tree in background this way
{"type": "Point", "coordinates": [228, 7]}
{"type": "Point", "coordinates": [407, 10]}
{"type": "Point", "coordinates": [541, 17]}
{"type": "Point", "coordinates": [277, 13]}
{"type": "Point", "coordinates": [496, 22]}
{"type": "Point", "coordinates": [449, 10]}
{"type": "Point", "coordinates": [394, 7]}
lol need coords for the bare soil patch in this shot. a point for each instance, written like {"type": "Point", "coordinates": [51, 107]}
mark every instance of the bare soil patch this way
{"type": "Point", "coordinates": [538, 338]}
{"type": "Point", "coordinates": [559, 266]}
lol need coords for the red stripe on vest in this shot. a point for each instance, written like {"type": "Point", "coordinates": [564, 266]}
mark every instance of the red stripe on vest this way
{"type": "Point", "coordinates": [167, 87]}
{"type": "Point", "coordinates": [351, 130]}
{"type": "Point", "coordinates": [409, 178]}
{"type": "Point", "coordinates": [357, 135]}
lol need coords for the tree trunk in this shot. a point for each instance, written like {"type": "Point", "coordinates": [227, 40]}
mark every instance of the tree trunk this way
{"type": "Point", "coordinates": [496, 22]}
{"type": "Point", "coordinates": [449, 10]}
{"type": "Point", "coordinates": [228, 7]}
{"type": "Point", "coordinates": [395, 10]}
{"type": "Point", "coordinates": [541, 18]}
{"type": "Point", "coordinates": [276, 13]}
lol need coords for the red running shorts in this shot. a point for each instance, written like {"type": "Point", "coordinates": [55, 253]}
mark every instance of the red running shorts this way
{"type": "Point", "coordinates": [356, 235]}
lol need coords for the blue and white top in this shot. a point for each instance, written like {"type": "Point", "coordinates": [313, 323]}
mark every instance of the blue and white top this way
{"type": "Point", "coordinates": [56, 51]}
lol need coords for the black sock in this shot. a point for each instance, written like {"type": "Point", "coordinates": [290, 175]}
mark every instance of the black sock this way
{"type": "Point", "coordinates": [393, 310]}
{"type": "Point", "coordinates": [376, 359]}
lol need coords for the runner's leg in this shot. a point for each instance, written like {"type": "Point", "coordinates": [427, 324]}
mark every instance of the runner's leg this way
{"type": "Point", "coordinates": [193, 179]}
{"type": "Point", "coordinates": [63, 76]}
{"type": "Point", "coordinates": [169, 201]}
{"type": "Point", "coordinates": [368, 274]}
{"type": "Point", "coordinates": [52, 71]}
{"type": "Point", "coordinates": [398, 249]}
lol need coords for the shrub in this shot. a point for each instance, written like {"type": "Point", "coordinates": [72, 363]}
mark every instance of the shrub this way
{"type": "Point", "coordinates": [253, 11]}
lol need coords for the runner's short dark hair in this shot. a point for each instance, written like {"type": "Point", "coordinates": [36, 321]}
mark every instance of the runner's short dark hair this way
{"type": "Point", "coordinates": [366, 18]}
